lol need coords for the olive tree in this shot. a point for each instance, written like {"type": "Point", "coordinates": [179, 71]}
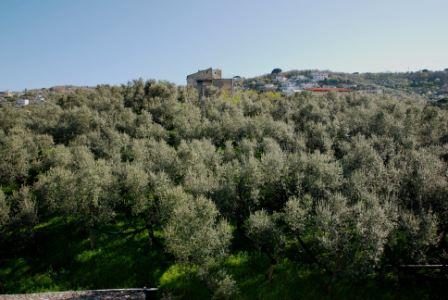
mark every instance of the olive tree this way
{"type": "Point", "coordinates": [24, 207]}
{"type": "Point", "coordinates": [4, 210]}
{"type": "Point", "coordinates": [349, 239]}
{"type": "Point", "coordinates": [266, 236]}
{"type": "Point", "coordinates": [194, 234]}
{"type": "Point", "coordinates": [86, 191]}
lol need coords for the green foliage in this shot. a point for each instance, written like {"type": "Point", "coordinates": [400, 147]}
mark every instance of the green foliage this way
{"type": "Point", "coordinates": [23, 206]}
{"type": "Point", "coordinates": [193, 233]}
{"type": "Point", "coordinates": [4, 210]}
{"type": "Point", "coordinates": [264, 233]}
{"type": "Point", "coordinates": [323, 189]}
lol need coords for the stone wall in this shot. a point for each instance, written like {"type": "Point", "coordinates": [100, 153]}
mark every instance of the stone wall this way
{"type": "Point", "coordinates": [133, 294]}
{"type": "Point", "coordinates": [208, 74]}
{"type": "Point", "coordinates": [223, 84]}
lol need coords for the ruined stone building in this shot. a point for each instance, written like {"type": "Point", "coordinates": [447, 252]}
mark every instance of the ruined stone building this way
{"type": "Point", "coordinates": [204, 79]}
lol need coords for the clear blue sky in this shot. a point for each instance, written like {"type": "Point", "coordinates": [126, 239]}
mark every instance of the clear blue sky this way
{"type": "Point", "coordinates": [87, 42]}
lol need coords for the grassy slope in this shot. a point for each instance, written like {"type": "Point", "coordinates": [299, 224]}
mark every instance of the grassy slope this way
{"type": "Point", "coordinates": [61, 259]}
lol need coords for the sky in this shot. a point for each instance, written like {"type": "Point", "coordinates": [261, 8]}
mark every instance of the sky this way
{"type": "Point", "coordinates": [89, 42]}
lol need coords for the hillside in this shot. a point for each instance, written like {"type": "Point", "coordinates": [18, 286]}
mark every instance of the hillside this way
{"type": "Point", "coordinates": [431, 85]}
{"type": "Point", "coordinates": [255, 195]}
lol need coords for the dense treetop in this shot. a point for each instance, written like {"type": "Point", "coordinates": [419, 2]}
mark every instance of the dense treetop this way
{"type": "Point", "coordinates": [350, 185]}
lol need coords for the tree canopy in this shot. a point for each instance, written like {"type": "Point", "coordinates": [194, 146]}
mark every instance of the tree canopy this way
{"type": "Point", "coordinates": [350, 185]}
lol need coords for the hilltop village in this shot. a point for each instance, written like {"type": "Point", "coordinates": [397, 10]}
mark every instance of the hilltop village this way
{"type": "Point", "coordinates": [20, 99]}
{"type": "Point", "coordinates": [429, 85]}
{"type": "Point", "coordinates": [314, 81]}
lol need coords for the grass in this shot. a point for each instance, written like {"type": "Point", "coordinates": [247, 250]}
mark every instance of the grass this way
{"type": "Point", "coordinates": [61, 259]}
{"type": "Point", "coordinates": [183, 282]}
{"type": "Point", "coordinates": [292, 281]}
{"type": "Point", "coordinates": [58, 257]}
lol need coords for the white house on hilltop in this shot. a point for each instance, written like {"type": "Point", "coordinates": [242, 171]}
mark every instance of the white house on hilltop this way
{"type": "Point", "coordinates": [22, 102]}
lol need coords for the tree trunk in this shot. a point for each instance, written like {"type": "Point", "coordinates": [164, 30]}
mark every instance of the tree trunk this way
{"type": "Point", "coordinates": [272, 266]}
{"type": "Point", "coordinates": [312, 256]}
{"type": "Point", "coordinates": [93, 236]}
{"type": "Point", "coordinates": [148, 226]}
{"type": "Point", "coordinates": [271, 272]}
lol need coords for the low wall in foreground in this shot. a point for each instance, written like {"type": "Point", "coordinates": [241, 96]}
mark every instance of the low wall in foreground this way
{"type": "Point", "coordinates": [132, 294]}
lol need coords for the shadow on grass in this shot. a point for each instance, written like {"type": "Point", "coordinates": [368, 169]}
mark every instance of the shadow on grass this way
{"type": "Point", "coordinates": [59, 258]}
{"type": "Point", "coordinates": [56, 256]}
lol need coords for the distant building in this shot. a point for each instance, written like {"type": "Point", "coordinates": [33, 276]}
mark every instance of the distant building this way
{"type": "Point", "coordinates": [299, 78]}
{"type": "Point", "coordinates": [348, 86]}
{"type": "Point", "coordinates": [39, 99]}
{"type": "Point", "coordinates": [204, 79]}
{"type": "Point", "coordinates": [6, 94]}
{"type": "Point", "coordinates": [280, 78]}
{"type": "Point", "coordinates": [269, 87]}
{"type": "Point", "coordinates": [22, 102]}
{"type": "Point", "coordinates": [309, 85]}
{"type": "Point", "coordinates": [291, 89]}
{"type": "Point", "coordinates": [319, 76]}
